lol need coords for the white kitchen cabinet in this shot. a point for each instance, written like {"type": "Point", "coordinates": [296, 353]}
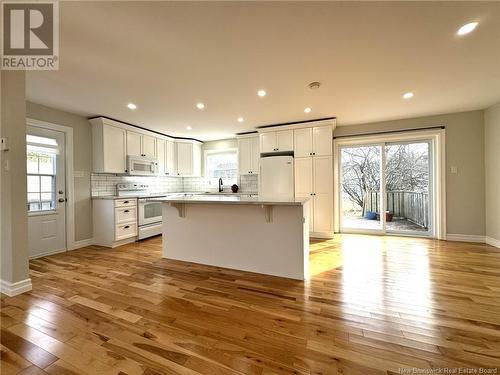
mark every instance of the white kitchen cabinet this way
{"type": "Point", "coordinates": [115, 221]}
{"type": "Point", "coordinates": [108, 147]}
{"type": "Point", "coordinates": [188, 159]}
{"type": "Point", "coordinates": [171, 159]}
{"type": "Point", "coordinates": [149, 146]}
{"type": "Point", "coordinates": [248, 155]}
{"type": "Point", "coordinates": [161, 146]}
{"type": "Point", "coordinates": [303, 142]}
{"type": "Point", "coordinates": [314, 179]}
{"type": "Point", "coordinates": [276, 141]}
{"type": "Point", "coordinates": [315, 141]}
{"type": "Point", "coordinates": [134, 144]}
{"type": "Point", "coordinates": [141, 144]}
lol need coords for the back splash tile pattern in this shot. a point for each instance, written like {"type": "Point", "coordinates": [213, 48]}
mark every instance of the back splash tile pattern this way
{"type": "Point", "coordinates": [248, 184]}
{"type": "Point", "coordinates": [105, 184]}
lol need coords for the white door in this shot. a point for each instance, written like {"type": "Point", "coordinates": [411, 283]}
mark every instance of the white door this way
{"type": "Point", "coordinates": [322, 141]}
{"type": "Point", "coordinates": [303, 142]}
{"type": "Point", "coordinates": [184, 159]}
{"type": "Point", "coordinates": [133, 144]}
{"type": "Point", "coordinates": [161, 155]}
{"type": "Point", "coordinates": [46, 187]}
{"type": "Point", "coordinates": [245, 155]}
{"type": "Point", "coordinates": [268, 142]}
{"type": "Point", "coordinates": [323, 198]}
{"type": "Point", "coordinates": [284, 140]}
{"type": "Point", "coordinates": [171, 159]}
{"type": "Point", "coordinates": [148, 146]}
{"type": "Point", "coordinates": [255, 154]}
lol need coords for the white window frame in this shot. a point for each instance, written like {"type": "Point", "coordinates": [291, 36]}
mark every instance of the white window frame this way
{"type": "Point", "coordinates": [220, 151]}
{"type": "Point", "coordinates": [437, 137]}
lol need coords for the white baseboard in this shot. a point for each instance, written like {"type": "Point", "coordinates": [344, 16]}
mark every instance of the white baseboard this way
{"type": "Point", "coordinates": [493, 242]}
{"type": "Point", "coordinates": [465, 238]}
{"type": "Point", "coordinates": [13, 289]}
{"type": "Point", "coordinates": [82, 243]}
{"type": "Point", "coordinates": [47, 253]}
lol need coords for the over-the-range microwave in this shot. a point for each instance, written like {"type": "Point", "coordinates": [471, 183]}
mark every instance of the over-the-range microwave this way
{"type": "Point", "coordinates": [141, 166]}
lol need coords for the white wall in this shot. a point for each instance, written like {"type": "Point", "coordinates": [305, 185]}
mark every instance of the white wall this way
{"type": "Point", "coordinates": [492, 164]}
{"type": "Point", "coordinates": [14, 220]}
{"type": "Point", "coordinates": [465, 207]}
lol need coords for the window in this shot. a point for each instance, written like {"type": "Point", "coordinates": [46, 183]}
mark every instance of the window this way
{"type": "Point", "coordinates": [41, 171]}
{"type": "Point", "coordinates": [222, 164]}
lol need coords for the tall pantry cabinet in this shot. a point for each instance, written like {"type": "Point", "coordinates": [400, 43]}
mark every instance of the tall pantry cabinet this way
{"type": "Point", "coordinates": [314, 176]}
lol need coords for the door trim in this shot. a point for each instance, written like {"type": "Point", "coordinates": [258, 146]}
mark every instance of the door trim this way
{"type": "Point", "coordinates": [70, 203]}
{"type": "Point", "coordinates": [437, 137]}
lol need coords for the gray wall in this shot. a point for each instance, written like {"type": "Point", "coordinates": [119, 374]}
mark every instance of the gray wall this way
{"type": "Point", "coordinates": [82, 150]}
{"type": "Point", "coordinates": [465, 199]}
{"type": "Point", "coordinates": [492, 162]}
{"type": "Point", "coordinates": [14, 221]}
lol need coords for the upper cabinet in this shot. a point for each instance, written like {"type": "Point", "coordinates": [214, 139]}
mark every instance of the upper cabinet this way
{"type": "Point", "coordinates": [171, 158]}
{"type": "Point", "coordinates": [141, 144]}
{"type": "Point", "coordinates": [109, 147]}
{"type": "Point", "coordinates": [112, 141]}
{"type": "Point", "coordinates": [314, 141]}
{"type": "Point", "coordinates": [248, 154]}
{"type": "Point", "coordinates": [276, 141]}
{"type": "Point", "coordinates": [188, 158]}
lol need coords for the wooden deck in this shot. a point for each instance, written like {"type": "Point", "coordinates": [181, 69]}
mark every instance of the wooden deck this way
{"type": "Point", "coordinates": [374, 305]}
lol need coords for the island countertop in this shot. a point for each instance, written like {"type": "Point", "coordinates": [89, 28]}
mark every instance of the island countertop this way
{"type": "Point", "coordinates": [223, 199]}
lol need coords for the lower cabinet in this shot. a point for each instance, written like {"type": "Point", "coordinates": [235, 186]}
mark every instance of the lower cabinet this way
{"type": "Point", "coordinates": [314, 180]}
{"type": "Point", "coordinates": [115, 221]}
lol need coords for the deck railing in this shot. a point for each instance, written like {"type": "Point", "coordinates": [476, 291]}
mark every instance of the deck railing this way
{"type": "Point", "coordinates": [408, 205]}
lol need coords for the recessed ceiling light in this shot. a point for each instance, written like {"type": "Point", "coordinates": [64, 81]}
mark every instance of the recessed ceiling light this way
{"type": "Point", "coordinates": [131, 106]}
{"type": "Point", "coordinates": [408, 95]}
{"type": "Point", "coordinates": [307, 109]}
{"type": "Point", "coordinates": [467, 28]}
{"type": "Point", "coordinates": [189, 127]}
{"type": "Point", "coordinates": [200, 105]}
{"type": "Point", "coordinates": [240, 119]}
{"type": "Point", "coordinates": [262, 93]}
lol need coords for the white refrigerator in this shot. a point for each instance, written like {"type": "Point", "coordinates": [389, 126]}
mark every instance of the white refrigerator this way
{"type": "Point", "coordinates": [276, 178]}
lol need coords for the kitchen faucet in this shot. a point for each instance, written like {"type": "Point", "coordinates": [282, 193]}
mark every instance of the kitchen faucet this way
{"type": "Point", "coordinates": [221, 189]}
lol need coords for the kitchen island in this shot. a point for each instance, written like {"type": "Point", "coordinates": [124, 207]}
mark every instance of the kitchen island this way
{"type": "Point", "coordinates": [244, 233]}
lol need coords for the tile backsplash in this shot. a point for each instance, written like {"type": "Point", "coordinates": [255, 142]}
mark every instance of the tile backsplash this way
{"type": "Point", "coordinates": [105, 184]}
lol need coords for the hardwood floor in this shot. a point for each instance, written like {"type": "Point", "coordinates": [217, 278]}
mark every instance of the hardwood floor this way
{"type": "Point", "coordinates": [373, 305]}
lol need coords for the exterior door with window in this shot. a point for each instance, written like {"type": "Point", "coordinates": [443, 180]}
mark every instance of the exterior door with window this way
{"type": "Point", "coordinates": [46, 187]}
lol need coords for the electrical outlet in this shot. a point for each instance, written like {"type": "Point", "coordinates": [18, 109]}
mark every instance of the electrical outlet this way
{"type": "Point", "coordinates": [4, 144]}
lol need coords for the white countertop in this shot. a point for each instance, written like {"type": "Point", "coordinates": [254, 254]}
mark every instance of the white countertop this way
{"type": "Point", "coordinates": [224, 199]}
{"type": "Point", "coordinates": [163, 195]}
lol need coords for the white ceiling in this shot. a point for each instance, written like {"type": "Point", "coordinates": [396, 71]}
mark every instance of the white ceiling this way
{"type": "Point", "coordinates": [167, 56]}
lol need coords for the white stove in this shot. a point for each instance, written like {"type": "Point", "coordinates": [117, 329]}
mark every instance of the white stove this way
{"type": "Point", "coordinates": [149, 215]}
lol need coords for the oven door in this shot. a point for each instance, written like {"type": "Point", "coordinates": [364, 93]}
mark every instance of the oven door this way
{"type": "Point", "coordinates": [149, 212]}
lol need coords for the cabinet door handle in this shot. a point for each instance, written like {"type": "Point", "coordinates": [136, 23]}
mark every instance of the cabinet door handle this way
{"type": "Point", "coordinates": [126, 211]}
{"type": "Point", "coordinates": [125, 202]}
{"type": "Point", "coordinates": [126, 227]}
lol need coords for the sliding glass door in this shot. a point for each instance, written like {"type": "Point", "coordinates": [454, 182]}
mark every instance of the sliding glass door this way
{"type": "Point", "coordinates": [386, 187]}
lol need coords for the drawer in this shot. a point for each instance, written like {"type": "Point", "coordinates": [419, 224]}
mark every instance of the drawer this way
{"type": "Point", "coordinates": [125, 214]}
{"type": "Point", "coordinates": [126, 230]}
{"type": "Point", "coordinates": [125, 202]}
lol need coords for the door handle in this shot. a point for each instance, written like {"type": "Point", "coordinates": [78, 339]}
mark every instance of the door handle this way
{"type": "Point", "coordinates": [61, 192]}
{"type": "Point", "coordinates": [61, 200]}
